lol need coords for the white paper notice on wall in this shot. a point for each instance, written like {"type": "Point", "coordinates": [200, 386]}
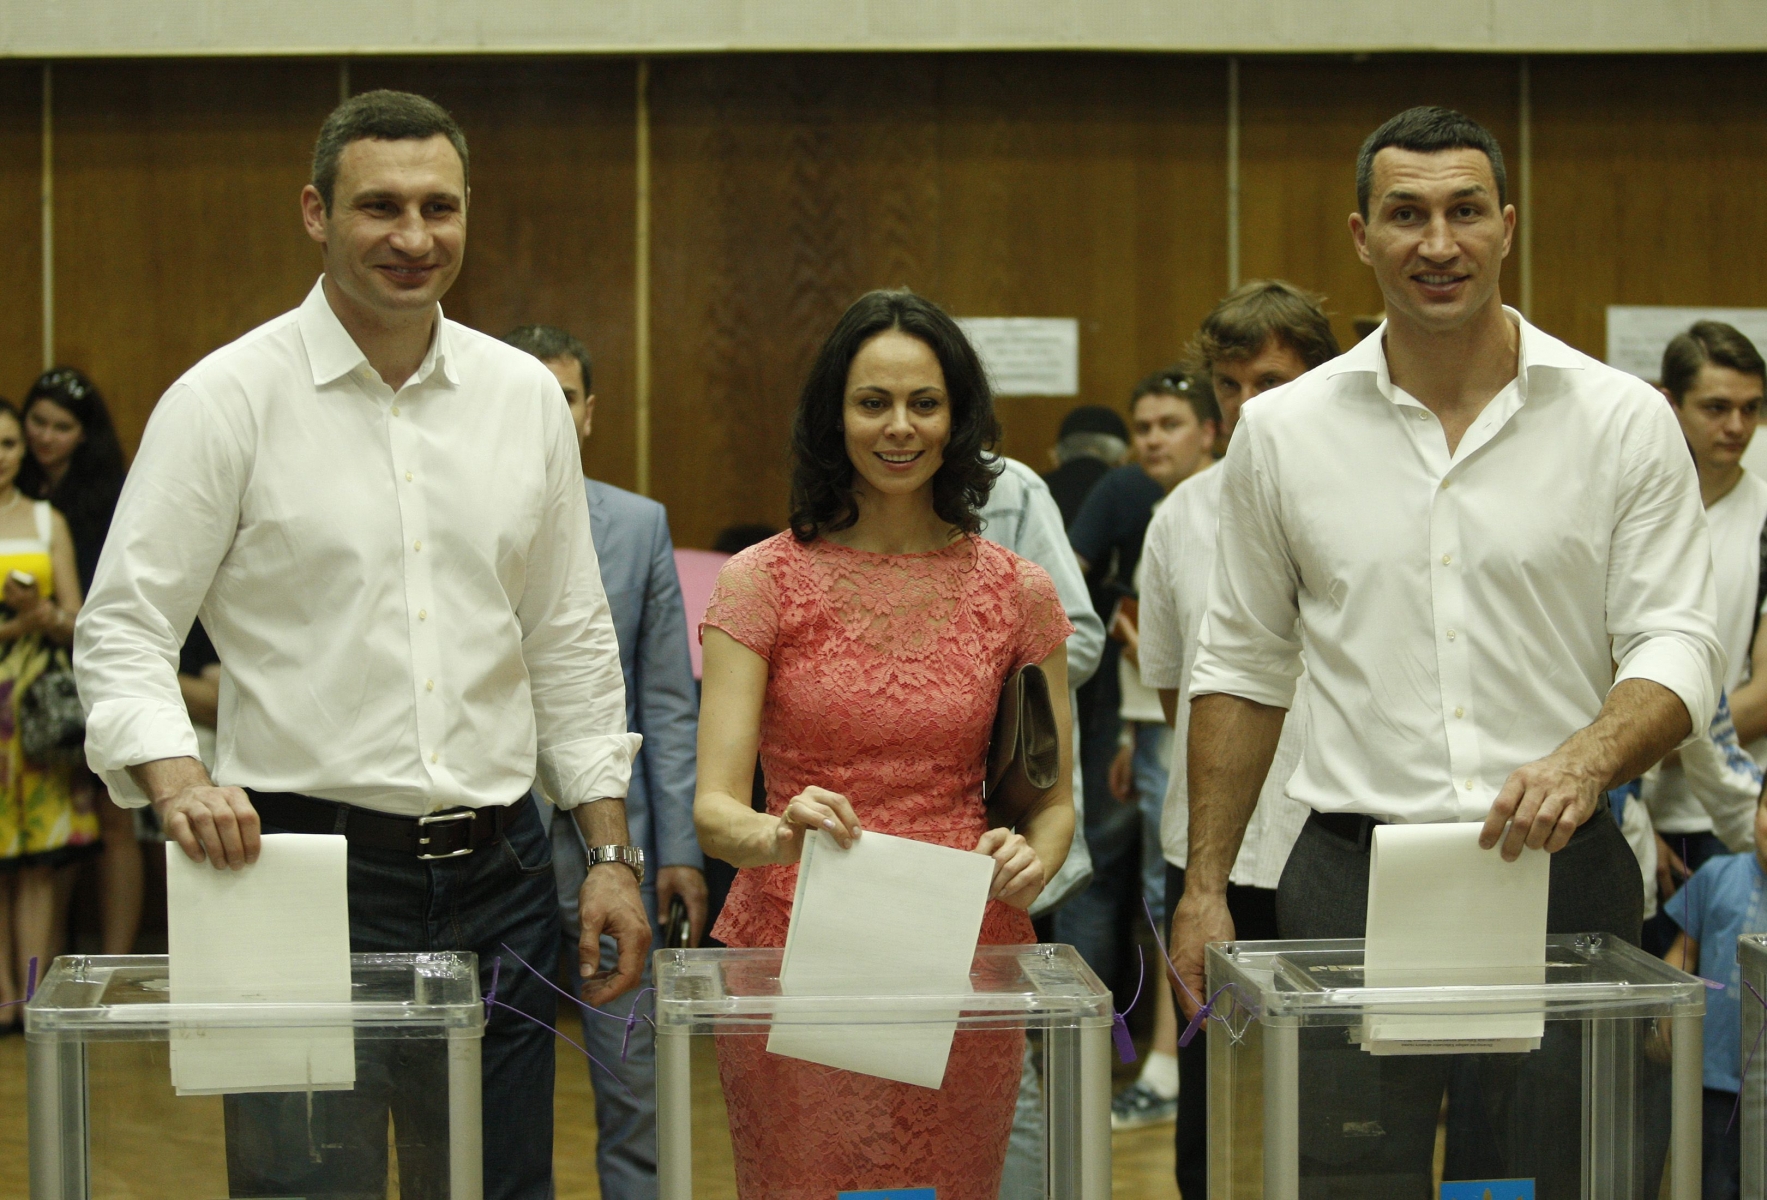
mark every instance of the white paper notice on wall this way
{"type": "Point", "coordinates": [1028, 356]}
{"type": "Point", "coordinates": [276, 932]}
{"type": "Point", "coordinates": [1441, 913]}
{"type": "Point", "coordinates": [1637, 334]}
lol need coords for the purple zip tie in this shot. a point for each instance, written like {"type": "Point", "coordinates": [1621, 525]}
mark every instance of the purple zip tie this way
{"type": "Point", "coordinates": [491, 996]}
{"type": "Point", "coordinates": [629, 1020]}
{"type": "Point", "coordinates": [1749, 1061]}
{"type": "Point", "coordinates": [1203, 1011]}
{"type": "Point", "coordinates": [1119, 1021]}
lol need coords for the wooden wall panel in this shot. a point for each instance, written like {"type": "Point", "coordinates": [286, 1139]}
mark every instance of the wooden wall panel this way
{"type": "Point", "coordinates": [21, 251]}
{"type": "Point", "coordinates": [177, 219]}
{"type": "Point", "coordinates": [1084, 186]}
{"type": "Point", "coordinates": [550, 228]}
{"type": "Point", "coordinates": [1648, 178]}
{"type": "Point", "coordinates": [1302, 122]}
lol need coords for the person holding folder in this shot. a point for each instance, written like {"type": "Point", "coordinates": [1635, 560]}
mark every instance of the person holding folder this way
{"type": "Point", "coordinates": [862, 653]}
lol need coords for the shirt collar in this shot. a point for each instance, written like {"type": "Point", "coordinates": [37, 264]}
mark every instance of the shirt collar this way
{"type": "Point", "coordinates": [332, 353]}
{"type": "Point", "coordinates": [1535, 349]}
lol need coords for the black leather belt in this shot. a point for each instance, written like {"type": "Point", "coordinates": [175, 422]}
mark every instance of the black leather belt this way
{"type": "Point", "coordinates": [449, 834]}
{"type": "Point", "coordinates": [1358, 828]}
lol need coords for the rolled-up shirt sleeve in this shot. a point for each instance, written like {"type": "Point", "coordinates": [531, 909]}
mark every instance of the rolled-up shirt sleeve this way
{"type": "Point", "coordinates": [1249, 644]}
{"type": "Point", "coordinates": [174, 522]}
{"type": "Point", "coordinates": [569, 645]}
{"type": "Point", "coordinates": [1660, 598]}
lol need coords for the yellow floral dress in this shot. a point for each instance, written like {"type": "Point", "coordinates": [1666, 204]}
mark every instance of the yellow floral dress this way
{"type": "Point", "coordinates": [48, 814]}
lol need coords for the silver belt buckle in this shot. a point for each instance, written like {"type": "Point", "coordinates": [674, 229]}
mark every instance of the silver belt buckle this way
{"type": "Point", "coordinates": [438, 819]}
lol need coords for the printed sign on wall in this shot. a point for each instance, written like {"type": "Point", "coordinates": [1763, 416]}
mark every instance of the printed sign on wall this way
{"type": "Point", "coordinates": [1637, 334]}
{"type": "Point", "coordinates": [1027, 356]}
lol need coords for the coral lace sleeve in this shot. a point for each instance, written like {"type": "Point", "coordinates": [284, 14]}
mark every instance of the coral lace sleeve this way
{"type": "Point", "coordinates": [744, 603]}
{"type": "Point", "coordinates": [1043, 623]}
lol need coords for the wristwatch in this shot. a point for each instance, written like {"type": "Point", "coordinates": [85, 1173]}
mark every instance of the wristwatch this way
{"type": "Point", "coordinates": [631, 856]}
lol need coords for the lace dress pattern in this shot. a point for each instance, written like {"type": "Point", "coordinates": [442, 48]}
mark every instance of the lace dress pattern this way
{"type": "Point", "coordinates": [883, 674]}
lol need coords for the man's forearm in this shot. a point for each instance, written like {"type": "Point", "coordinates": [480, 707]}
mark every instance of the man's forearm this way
{"type": "Point", "coordinates": [1232, 741]}
{"type": "Point", "coordinates": [1748, 709]}
{"type": "Point", "coordinates": [603, 822]}
{"type": "Point", "coordinates": [164, 778]}
{"type": "Point", "coordinates": [1639, 723]}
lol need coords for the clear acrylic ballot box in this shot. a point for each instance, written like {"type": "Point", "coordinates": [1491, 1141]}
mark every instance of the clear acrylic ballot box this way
{"type": "Point", "coordinates": [1751, 958]}
{"type": "Point", "coordinates": [134, 1096]}
{"type": "Point", "coordinates": [1579, 1082]}
{"type": "Point", "coordinates": [806, 1097]}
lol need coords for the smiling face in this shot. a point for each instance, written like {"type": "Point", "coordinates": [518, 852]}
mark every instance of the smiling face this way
{"type": "Point", "coordinates": [1435, 235]}
{"type": "Point", "coordinates": [1718, 415]}
{"type": "Point", "coordinates": [896, 415]}
{"type": "Point", "coordinates": [1170, 443]}
{"type": "Point", "coordinates": [395, 235]}
{"type": "Point", "coordinates": [52, 433]}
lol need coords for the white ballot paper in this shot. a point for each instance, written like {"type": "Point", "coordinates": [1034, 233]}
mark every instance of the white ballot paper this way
{"type": "Point", "coordinates": [886, 917]}
{"type": "Point", "coordinates": [276, 932]}
{"type": "Point", "coordinates": [1443, 912]}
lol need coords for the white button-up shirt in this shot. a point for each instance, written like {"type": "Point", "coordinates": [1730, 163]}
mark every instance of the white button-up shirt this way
{"type": "Point", "coordinates": [401, 586]}
{"type": "Point", "coordinates": [1177, 562]}
{"type": "Point", "coordinates": [1461, 614]}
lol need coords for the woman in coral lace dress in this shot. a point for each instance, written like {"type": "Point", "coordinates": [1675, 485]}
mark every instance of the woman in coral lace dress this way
{"type": "Point", "coordinates": [862, 653]}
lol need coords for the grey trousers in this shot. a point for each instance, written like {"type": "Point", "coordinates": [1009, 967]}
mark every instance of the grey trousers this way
{"type": "Point", "coordinates": [1368, 1125]}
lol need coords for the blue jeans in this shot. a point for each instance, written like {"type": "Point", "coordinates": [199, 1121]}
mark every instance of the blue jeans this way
{"type": "Point", "coordinates": [624, 1071]}
{"type": "Point", "coordinates": [333, 1145]}
{"type": "Point", "coordinates": [1152, 764]}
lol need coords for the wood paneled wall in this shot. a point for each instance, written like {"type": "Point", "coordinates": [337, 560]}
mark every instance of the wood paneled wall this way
{"type": "Point", "coordinates": [1083, 185]}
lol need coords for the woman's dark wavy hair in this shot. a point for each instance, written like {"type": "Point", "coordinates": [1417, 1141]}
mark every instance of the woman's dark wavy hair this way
{"type": "Point", "coordinates": [822, 498]}
{"type": "Point", "coordinates": [97, 463]}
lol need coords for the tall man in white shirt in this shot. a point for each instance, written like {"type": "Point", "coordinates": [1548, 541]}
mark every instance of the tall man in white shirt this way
{"type": "Point", "coordinates": [1260, 336]}
{"type": "Point", "coordinates": [1467, 524]}
{"type": "Point", "coordinates": [379, 514]}
{"type": "Point", "coordinates": [1713, 378]}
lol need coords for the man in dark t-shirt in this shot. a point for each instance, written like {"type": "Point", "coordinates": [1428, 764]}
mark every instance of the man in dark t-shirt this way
{"type": "Point", "coordinates": [1093, 439]}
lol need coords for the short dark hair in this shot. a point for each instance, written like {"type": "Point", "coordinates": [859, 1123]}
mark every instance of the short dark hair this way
{"type": "Point", "coordinates": [547, 342]}
{"type": "Point", "coordinates": [383, 115]}
{"type": "Point", "coordinates": [1428, 129]}
{"type": "Point", "coordinates": [1253, 313]}
{"type": "Point", "coordinates": [1708, 342]}
{"type": "Point", "coordinates": [1183, 381]}
{"type": "Point", "coordinates": [822, 475]}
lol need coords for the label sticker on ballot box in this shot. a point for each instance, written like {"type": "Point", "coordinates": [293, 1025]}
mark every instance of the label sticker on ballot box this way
{"type": "Point", "coordinates": [915, 1194]}
{"type": "Point", "coordinates": [1489, 1189]}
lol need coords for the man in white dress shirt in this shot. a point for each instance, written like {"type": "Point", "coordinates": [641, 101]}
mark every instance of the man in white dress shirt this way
{"type": "Point", "coordinates": [379, 515]}
{"type": "Point", "coordinates": [1262, 335]}
{"type": "Point", "coordinates": [1467, 524]}
{"type": "Point", "coordinates": [1712, 376]}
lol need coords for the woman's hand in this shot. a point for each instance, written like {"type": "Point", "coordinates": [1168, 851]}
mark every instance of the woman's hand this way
{"type": "Point", "coordinates": [21, 599]}
{"type": "Point", "coordinates": [1018, 872]}
{"type": "Point", "coordinates": [813, 808]}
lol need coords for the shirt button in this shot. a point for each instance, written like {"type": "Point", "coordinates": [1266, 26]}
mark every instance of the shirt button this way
{"type": "Point", "coordinates": [423, 614]}
{"type": "Point", "coordinates": [407, 477]}
{"type": "Point", "coordinates": [1447, 559]}
{"type": "Point", "coordinates": [435, 758]}
{"type": "Point", "coordinates": [395, 410]}
{"type": "Point", "coordinates": [1459, 712]}
{"type": "Point", "coordinates": [1450, 635]}
{"type": "Point", "coordinates": [1444, 484]}
{"type": "Point", "coordinates": [418, 545]}
{"type": "Point", "coordinates": [429, 685]}
{"type": "Point", "coordinates": [1469, 784]}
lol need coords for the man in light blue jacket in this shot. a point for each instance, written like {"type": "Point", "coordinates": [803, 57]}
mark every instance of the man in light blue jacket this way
{"type": "Point", "coordinates": [631, 535]}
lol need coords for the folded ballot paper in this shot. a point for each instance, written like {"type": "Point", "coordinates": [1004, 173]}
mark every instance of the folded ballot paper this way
{"type": "Point", "coordinates": [1442, 912]}
{"type": "Point", "coordinates": [277, 932]}
{"type": "Point", "coordinates": [885, 917]}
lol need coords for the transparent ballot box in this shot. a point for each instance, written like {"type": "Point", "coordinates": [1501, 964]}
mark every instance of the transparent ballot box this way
{"type": "Point", "coordinates": [132, 1096]}
{"type": "Point", "coordinates": [804, 1097]}
{"type": "Point", "coordinates": [1578, 1082]}
{"type": "Point", "coordinates": [1751, 958]}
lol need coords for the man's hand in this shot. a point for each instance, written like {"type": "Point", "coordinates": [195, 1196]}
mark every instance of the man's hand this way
{"type": "Point", "coordinates": [1122, 775]}
{"type": "Point", "coordinates": [218, 824]}
{"type": "Point", "coordinates": [609, 904]}
{"type": "Point", "coordinates": [1201, 918]}
{"type": "Point", "coordinates": [1671, 871]}
{"type": "Point", "coordinates": [1543, 803]}
{"type": "Point", "coordinates": [689, 883]}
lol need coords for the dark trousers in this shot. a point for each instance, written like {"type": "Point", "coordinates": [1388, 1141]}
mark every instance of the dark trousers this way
{"type": "Point", "coordinates": [333, 1145]}
{"type": "Point", "coordinates": [1721, 1142]}
{"type": "Point", "coordinates": [1368, 1124]}
{"type": "Point", "coordinates": [1254, 920]}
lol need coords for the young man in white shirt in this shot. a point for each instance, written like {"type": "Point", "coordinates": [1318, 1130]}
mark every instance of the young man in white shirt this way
{"type": "Point", "coordinates": [1262, 335]}
{"type": "Point", "coordinates": [1470, 525]}
{"type": "Point", "coordinates": [380, 515]}
{"type": "Point", "coordinates": [1713, 376]}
